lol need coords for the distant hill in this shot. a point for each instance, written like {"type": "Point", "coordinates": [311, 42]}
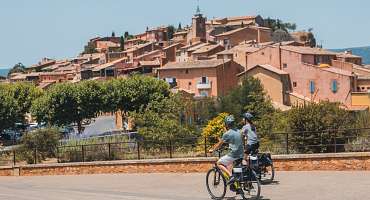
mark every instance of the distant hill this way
{"type": "Point", "coordinates": [4, 72]}
{"type": "Point", "coordinates": [360, 51]}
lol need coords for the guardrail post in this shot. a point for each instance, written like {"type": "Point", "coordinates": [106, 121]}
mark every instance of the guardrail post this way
{"type": "Point", "coordinates": [205, 146]}
{"type": "Point", "coordinates": [335, 142]}
{"type": "Point", "coordinates": [58, 160]}
{"type": "Point", "coordinates": [35, 155]}
{"type": "Point", "coordinates": [170, 148]}
{"type": "Point", "coordinates": [83, 153]}
{"type": "Point", "coordinates": [14, 160]}
{"type": "Point", "coordinates": [138, 150]}
{"type": "Point", "coordinates": [109, 152]}
{"type": "Point", "coordinates": [287, 143]}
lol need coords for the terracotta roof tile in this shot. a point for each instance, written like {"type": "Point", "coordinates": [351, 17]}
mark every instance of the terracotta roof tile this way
{"type": "Point", "coordinates": [206, 48]}
{"type": "Point", "coordinates": [347, 55]}
{"type": "Point", "coordinates": [194, 64]}
{"type": "Point", "coordinates": [267, 67]}
{"type": "Point", "coordinates": [308, 50]}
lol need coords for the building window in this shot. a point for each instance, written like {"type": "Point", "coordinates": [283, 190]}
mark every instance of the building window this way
{"type": "Point", "coordinates": [334, 86]}
{"type": "Point", "coordinates": [312, 87]}
{"type": "Point", "coordinates": [189, 83]}
{"type": "Point", "coordinates": [187, 71]}
{"type": "Point", "coordinates": [285, 65]}
{"type": "Point", "coordinates": [204, 80]}
{"type": "Point", "coordinates": [263, 53]}
{"type": "Point", "coordinates": [294, 84]}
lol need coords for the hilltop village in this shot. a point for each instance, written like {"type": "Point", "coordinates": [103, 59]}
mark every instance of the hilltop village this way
{"type": "Point", "coordinates": [210, 57]}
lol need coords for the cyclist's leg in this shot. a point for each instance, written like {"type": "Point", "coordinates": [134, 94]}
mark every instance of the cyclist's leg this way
{"type": "Point", "coordinates": [224, 163]}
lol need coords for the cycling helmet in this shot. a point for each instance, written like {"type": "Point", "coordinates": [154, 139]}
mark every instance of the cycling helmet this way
{"type": "Point", "coordinates": [229, 120]}
{"type": "Point", "coordinates": [248, 116]}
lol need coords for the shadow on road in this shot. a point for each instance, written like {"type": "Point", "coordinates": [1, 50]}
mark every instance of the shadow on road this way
{"type": "Point", "coordinates": [239, 198]}
{"type": "Point", "coordinates": [271, 183]}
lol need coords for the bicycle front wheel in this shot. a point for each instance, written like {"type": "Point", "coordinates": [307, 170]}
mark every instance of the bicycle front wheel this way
{"type": "Point", "coordinates": [216, 184]}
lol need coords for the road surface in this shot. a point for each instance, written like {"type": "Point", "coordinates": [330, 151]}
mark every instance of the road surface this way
{"type": "Point", "coordinates": [289, 185]}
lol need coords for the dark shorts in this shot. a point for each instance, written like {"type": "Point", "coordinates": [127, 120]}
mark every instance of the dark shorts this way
{"type": "Point", "coordinates": [251, 148]}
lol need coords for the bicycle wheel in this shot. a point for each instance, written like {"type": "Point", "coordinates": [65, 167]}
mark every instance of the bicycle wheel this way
{"type": "Point", "coordinates": [216, 184]}
{"type": "Point", "coordinates": [267, 174]}
{"type": "Point", "coordinates": [252, 188]}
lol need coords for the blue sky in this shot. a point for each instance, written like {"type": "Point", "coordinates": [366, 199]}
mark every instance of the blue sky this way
{"type": "Point", "coordinates": [33, 29]}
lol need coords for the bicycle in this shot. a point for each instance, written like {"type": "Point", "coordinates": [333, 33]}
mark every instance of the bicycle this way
{"type": "Point", "coordinates": [263, 165]}
{"type": "Point", "coordinates": [246, 181]}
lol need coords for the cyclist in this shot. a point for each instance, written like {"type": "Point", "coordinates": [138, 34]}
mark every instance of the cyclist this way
{"type": "Point", "coordinates": [235, 141]}
{"type": "Point", "coordinates": [250, 132]}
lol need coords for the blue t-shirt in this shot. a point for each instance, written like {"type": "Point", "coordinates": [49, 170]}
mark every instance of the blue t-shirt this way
{"type": "Point", "coordinates": [235, 141]}
{"type": "Point", "coordinates": [251, 133]}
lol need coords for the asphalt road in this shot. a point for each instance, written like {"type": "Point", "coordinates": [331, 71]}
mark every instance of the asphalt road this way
{"type": "Point", "coordinates": [289, 185]}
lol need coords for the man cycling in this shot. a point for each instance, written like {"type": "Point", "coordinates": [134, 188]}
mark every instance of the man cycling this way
{"type": "Point", "coordinates": [235, 141]}
{"type": "Point", "coordinates": [250, 132]}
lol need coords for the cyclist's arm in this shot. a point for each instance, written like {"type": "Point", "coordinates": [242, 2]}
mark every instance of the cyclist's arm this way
{"type": "Point", "coordinates": [217, 146]}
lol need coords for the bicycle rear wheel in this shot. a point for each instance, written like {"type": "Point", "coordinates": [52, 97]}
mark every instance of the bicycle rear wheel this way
{"type": "Point", "coordinates": [252, 188]}
{"type": "Point", "coordinates": [267, 174]}
{"type": "Point", "coordinates": [216, 184]}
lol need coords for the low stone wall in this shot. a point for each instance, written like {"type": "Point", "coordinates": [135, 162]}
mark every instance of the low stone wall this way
{"type": "Point", "coordinates": [298, 162]}
{"type": "Point", "coordinates": [6, 171]}
{"type": "Point", "coordinates": [323, 162]}
{"type": "Point", "coordinates": [191, 165]}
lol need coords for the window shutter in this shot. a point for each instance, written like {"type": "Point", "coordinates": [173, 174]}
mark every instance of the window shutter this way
{"type": "Point", "coordinates": [334, 86]}
{"type": "Point", "coordinates": [312, 87]}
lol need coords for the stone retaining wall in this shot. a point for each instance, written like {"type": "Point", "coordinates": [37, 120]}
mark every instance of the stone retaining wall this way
{"type": "Point", "coordinates": [6, 171]}
{"type": "Point", "coordinates": [334, 162]}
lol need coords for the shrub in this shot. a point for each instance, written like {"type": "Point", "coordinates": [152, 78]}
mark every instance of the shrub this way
{"type": "Point", "coordinates": [214, 129]}
{"type": "Point", "coordinates": [42, 142]}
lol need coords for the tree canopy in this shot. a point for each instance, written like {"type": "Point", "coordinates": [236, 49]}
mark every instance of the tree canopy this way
{"type": "Point", "coordinates": [68, 103]}
{"type": "Point", "coordinates": [18, 68]}
{"type": "Point", "coordinates": [170, 31]}
{"type": "Point", "coordinates": [15, 102]}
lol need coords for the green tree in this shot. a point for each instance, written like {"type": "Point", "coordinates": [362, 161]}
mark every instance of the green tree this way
{"type": "Point", "coordinates": [248, 97]}
{"type": "Point", "coordinates": [113, 34]}
{"type": "Point", "coordinates": [136, 92]}
{"type": "Point", "coordinates": [311, 38]}
{"type": "Point", "coordinates": [18, 68]}
{"type": "Point", "coordinates": [276, 24]}
{"type": "Point", "coordinates": [160, 121]}
{"type": "Point", "coordinates": [126, 34]}
{"type": "Point", "coordinates": [311, 125]}
{"type": "Point", "coordinates": [89, 101]}
{"type": "Point", "coordinates": [122, 43]}
{"type": "Point", "coordinates": [89, 49]}
{"type": "Point", "coordinates": [68, 103]}
{"type": "Point", "coordinates": [43, 142]}
{"type": "Point", "coordinates": [170, 32]}
{"type": "Point", "coordinates": [16, 100]}
{"type": "Point", "coordinates": [8, 115]}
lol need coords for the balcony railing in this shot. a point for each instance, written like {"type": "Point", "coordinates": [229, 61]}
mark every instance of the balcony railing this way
{"type": "Point", "coordinates": [204, 85]}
